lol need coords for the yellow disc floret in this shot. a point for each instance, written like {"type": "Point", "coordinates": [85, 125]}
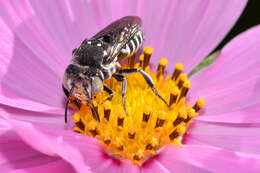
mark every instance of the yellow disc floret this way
{"type": "Point", "coordinates": [149, 125]}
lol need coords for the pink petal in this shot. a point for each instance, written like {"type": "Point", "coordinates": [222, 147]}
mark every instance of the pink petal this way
{"type": "Point", "coordinates": [191, 29]}
{"type": "Point", "coordinates": [232, 82]}
{"type": "Point", "coordinates": [25, 81]}
{"type": "Point", "coordinates": [4, 126]}
{"type": "Point", "coordinates": [16, 156]}
{"type": "Point", "coordinates": [233, 137]}
{"type": "Point", "coordinates": [191, 158]}
{"type": "Point", "coordinates": [49, 144]}
{"type": "Point", "coordinates": [154, 167]}
{"type": "Point", "coordinates": [20, 18]}
{"type": "Point", "coordinates": [59, 166]}
{"type": "Point", "coordinates": [49, 135]}
{"type": "Point", "coordinates": [246, 115]}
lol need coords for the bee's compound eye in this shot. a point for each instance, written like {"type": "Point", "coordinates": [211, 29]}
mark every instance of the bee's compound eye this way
{"type": "Point", "coordinates": [85, 41]}
{"type": "Point", "coordinates": [72, 69]}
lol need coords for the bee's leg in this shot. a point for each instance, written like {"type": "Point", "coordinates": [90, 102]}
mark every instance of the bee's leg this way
{"type": "Point", "coordinates": [109, 91]}
{"type": "Point", "coordinates": [147, 78]}
{"type": "Point", "coordinates": [68, 94]}
{"type": "Point", "coordinates": [76, 102]}
{"type": "Point", "coordinates": [92, 105]}
{"type": "Point", "coordinates": [121, 78]}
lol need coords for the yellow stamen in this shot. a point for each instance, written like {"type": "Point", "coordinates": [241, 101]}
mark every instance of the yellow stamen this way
{"type": "Point", "coordinates": [183, 77]}
{"type": "Point", "coordinates": [199, 104]}
{"type": "Point", "coordinates": [149, 125]}
{"type": "Point", "coordinates": [174, 95]}
{"type": "Point", "coordinates": [148, 50]}
{"type": "Point", "coordinates": [178, 69]}
{"type": "Point", "coordinates": [131, 61]}
{"type": "Point", "coordinates": [141, 61]}
{"type": "Point", "coordinates": [160, 70]}
{"type": "Point", "coordinates": [185, 89]}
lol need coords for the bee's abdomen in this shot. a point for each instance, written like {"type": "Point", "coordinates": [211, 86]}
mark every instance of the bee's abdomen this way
{"type": "Point", "coordinates": [133, 45]}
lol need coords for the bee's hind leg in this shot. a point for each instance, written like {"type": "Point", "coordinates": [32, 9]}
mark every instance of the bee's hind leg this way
{"type": "Point", "coordinates": [147, 78]}
{"type": "Point", "coordinates": [121, 78]}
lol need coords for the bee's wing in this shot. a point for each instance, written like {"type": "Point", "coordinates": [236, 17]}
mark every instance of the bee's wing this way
{"type": "Point", "coordinates": [118, 33]}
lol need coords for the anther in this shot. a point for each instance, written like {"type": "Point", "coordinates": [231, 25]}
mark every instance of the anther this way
{"type": "Point", "coordinates": [160, 69]}
{"type": "Point", "coordinates": [146, 114]}
{"type": "Point", "coordinates": [153, 143]}
{"type": "Point", "coordinates": [148, 50]}
{"type": "Point", "coordinates": [149, 147]}
{"type": "Point", "coordinates": [177, 132]}
{"type": "Point", "coordinates": [181, 117]}
{"type": "Point", "coordinates": [199, 104]}
{"type": "Point", "coordinates": [160, 120]}
{"type": "Point", "coordinates": [178, 69]}
{"type": "Point", "coordinates": [177, 121]}
{"type": "Point", "coordinates": [131, 60]}
{"type": "Point", "coordinates": [131, 133]}
{"type": "Point", "coordinates": [107, 113]}
{"type": "Point", "coordinates": [174, 95]}
{"type": "Point", "coordinates": [120, 120]}
{"type": "Point", "coordinates": [185, 89]}
{"type": "Point", "coordinates": [139, 155]}
{"type": "Point", "coordinates": [191, 115]}
{"type": "Point", "coordinates": [183, 77]}
{"type": "Point", "coordinates": [173, 135]}
{"type": "Point", "coordinates": [93, 129]}
{"type": "Point", "coordinates": [80, 125]}
{"type": "Point", "coordinates": [181, 130]}
{"type": "Point", "coordinates": [119, 144]}
{"type": "Point", "coordinates": [107, 139]}
{"type": "Point", "coordinates": [141, 61]}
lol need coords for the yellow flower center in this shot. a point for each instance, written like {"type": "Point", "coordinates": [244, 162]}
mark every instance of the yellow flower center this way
{"type": "Point", "coordinates": [149, 125]}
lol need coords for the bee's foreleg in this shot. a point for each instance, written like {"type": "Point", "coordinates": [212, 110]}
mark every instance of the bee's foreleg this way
{"type": "Point", "coordinates": [121, 78]}
{"type": "Point", "coordinates": [109, 91]}
{"type": "Point", "coordinates": [68, 94]}
{"type": "Point", "coordinates": [92, 105]}
{"type": "Point", "coordinates": [147, 78]}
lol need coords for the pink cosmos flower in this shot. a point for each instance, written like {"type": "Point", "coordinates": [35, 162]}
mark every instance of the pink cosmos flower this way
{"type": "Point", "coordinates": [37, 38]}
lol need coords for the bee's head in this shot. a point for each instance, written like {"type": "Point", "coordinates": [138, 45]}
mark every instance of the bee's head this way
{"type": "Point", "coordinates": [86, 81]}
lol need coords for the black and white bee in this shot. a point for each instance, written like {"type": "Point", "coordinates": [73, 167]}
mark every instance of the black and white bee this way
{"type": "Point", "coordinates": [95, 60]}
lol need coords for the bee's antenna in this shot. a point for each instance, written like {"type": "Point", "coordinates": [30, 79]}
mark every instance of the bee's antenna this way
{"type": "Point", "coordinates": [92, 105]}
{"type": "Point", "coordinates": [67, 103]}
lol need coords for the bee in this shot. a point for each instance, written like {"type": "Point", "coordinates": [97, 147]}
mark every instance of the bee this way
{"type": "Point", "coordinates": [96, 59]}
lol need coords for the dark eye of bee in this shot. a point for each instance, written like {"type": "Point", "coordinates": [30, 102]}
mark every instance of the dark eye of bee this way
{"type": "Point", "coordinates": [72, 69]}
{"type": "Point", "coordinates": [106, 39]}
